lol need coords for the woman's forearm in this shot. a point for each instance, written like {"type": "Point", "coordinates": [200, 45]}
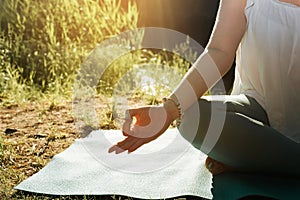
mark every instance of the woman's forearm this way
{"type": "Point", "coordinates": [206, 71]}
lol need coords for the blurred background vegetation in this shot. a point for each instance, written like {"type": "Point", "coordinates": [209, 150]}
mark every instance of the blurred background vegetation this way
{"type": "Point", "coordinates": [43, 43]}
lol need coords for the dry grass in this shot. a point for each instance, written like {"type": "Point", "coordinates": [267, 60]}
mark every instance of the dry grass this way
{"type": "Point", "coordinates": [30, 135]}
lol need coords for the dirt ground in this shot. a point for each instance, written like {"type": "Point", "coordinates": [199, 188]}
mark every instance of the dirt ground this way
{"type": "Point", "coordinates": [31, 134]}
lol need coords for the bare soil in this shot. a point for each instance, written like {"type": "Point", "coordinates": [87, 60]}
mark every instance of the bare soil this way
{"type": "Point", "coordinates": [31, 134]}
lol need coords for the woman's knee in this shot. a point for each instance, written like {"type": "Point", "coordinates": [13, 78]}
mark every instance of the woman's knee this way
{"type": "Point", "coordinates": [195, 122]}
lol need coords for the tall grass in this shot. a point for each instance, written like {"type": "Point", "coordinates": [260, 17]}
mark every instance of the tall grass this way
{"type": "Point", "coordinates": [42, 48]}
{"type": "Point", "coordinates": [43, 43]}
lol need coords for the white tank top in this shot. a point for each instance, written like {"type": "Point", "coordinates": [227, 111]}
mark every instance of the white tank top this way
{"type": "Point", "coordinates": [268, 63]}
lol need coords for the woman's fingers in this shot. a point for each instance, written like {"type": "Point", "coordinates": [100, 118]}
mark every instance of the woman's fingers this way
{"type": "Point", "coordinates": [137, 145]}
{"type": "Point", "coordinates": [129, 144]}
{"type": "Point", "coordinates": [123, 145]}
{"type": "Point", "coordinates": [149, 123]}
{"type": "Point", "coordinates": [126, 129]}
{"type": "Point", "coordinates": [126, 144]}
{"type": "Point", "coordinates": [113, 148]}
{"type": "Point", "coordinates": [128, 123]}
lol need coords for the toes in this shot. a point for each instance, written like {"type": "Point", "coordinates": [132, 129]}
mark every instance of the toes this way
{"type": "Point", "coordinates": [216, 167]}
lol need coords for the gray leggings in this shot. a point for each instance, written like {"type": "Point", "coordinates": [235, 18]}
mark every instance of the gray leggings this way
{"type": "Point", "coordinates": [246, 141]}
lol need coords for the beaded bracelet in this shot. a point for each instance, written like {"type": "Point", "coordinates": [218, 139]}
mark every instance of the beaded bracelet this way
{"type": "Point", "coordinates": [180, 115]}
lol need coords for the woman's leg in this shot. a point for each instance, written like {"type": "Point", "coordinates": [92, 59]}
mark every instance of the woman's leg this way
{"type": "Point", "coordinates": [246, 141]}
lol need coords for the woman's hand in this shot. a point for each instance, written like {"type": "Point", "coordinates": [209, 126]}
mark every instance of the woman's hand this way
{"type": "Point", "coordinates": [144, 124]}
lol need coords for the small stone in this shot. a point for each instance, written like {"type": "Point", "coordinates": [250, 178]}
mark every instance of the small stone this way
{"type": "Point", "coordinates": [40, 135]}
{"type": "Point", "coordinates": [9, 131]}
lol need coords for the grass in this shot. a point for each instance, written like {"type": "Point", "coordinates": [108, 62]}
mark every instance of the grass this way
{"type": "Point", "coordinates": [46, 41]}
{"type": "Point", "coordinates": [42, 47]}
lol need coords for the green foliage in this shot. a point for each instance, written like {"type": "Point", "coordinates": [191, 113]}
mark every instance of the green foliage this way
{"type": "Point", "coordinates": [43, 43]}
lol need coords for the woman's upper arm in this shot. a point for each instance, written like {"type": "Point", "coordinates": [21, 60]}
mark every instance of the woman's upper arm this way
{"type": "Point", "coordinates": [228, 31]}
{"type": "Point", "coordinates": [229, 27]}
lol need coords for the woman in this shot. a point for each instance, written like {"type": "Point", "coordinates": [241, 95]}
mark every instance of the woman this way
{"type": "Point", "coordinates": [260, 131]}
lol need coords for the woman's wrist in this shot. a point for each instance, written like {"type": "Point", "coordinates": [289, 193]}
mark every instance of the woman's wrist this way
{"type": "Point", "coordinates": [173, 109]}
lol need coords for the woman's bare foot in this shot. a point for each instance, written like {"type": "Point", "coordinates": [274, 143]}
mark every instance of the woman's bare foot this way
{"type": "Point", "coordinates": [216, 167]}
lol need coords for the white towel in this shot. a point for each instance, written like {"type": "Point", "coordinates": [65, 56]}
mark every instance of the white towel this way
{"type": "Point", "coordinates": [165, 168]}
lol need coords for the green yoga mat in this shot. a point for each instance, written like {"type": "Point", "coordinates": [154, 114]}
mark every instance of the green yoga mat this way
{"type": "Point", "coordinates": [165, 168]}
{"type": "Point", "coordinates": [236, 186]}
